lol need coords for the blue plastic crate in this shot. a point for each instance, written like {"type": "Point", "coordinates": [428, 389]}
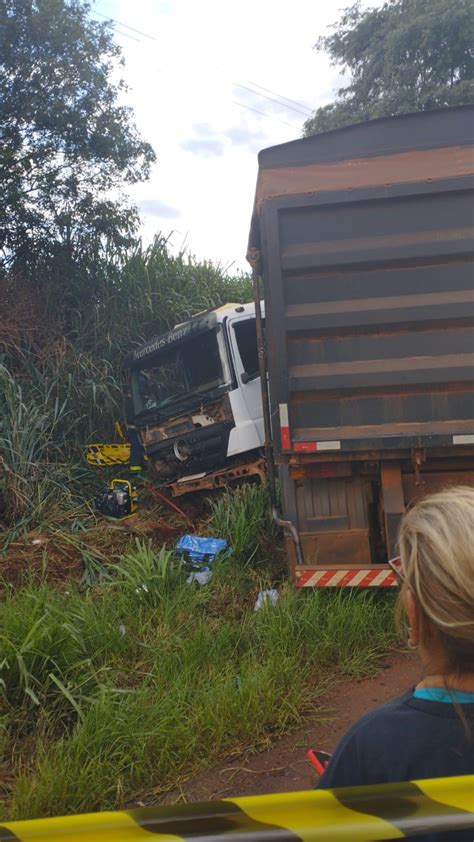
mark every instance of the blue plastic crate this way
{"type": "Point", "coordinates": [199, 550]}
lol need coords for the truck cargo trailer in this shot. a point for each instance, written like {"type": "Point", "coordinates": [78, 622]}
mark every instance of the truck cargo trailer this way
{"type": "Point", "coordinates": [363, 240]}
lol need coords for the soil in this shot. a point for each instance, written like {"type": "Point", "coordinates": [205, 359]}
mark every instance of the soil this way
{"type": "Point", "coordinates": [35, 554]}
{"type": "Point", "coordinates": [59, 561]}
{"type": "Point", "coordinates": [284, 767]}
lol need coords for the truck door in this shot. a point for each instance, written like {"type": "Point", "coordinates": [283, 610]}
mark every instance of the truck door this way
{"type": "Point", "coordinates": [243, 340]}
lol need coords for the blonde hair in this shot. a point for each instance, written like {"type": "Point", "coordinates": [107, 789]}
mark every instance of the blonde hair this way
{"type": "Point", "coordinates": [436, 543]}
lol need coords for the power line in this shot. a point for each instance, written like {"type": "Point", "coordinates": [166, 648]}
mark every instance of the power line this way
{"type": "Point", "coordinates": [244, 87]}
{"type": "Point", "coordinates": [294, 101]}
{"type": "Point", "coordinates": [238, 85]}
{"type": "Point", "coordinates": [132, 28]}
{"type": "Point", "coordinates": [271, 116]}
{"type": "Point", "coordinates": [126, 35]}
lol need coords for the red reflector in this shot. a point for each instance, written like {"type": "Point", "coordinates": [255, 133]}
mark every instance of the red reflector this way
{"type": "Point", "coordinates": [285, 438]}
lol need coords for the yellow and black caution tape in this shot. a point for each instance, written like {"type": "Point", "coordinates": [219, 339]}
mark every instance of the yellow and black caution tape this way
{"type": "Point", "coordinates": [359, 814]}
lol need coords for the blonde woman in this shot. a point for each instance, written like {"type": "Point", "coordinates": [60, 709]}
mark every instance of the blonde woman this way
{"type": "Point", "coordinates": [428, 732]}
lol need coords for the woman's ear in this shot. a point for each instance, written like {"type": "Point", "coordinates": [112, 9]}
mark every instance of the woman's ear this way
{"type": "Point", "coordinates": [410, 607]}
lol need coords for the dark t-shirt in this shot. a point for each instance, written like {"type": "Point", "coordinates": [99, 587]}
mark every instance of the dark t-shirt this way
{"type": "Point", "coordinates": [405, 740]}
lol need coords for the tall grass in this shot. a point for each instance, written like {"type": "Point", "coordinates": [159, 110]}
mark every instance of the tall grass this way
{"type": "Point", "coordinates": [242, 517]}
{"type": "Point", "coordinates": [155, 289]}
{"type": "Point", "coordinates": [137, 683]}
{"type": "Point", "coordinates": [34, 470]}
{"type": "Point", "coordinates": [62, 382]}
{"type": "Point", "coordinates": [44, 482]}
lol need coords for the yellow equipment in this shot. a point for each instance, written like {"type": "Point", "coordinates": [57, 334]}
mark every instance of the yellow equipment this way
{"type": "Point", "coordinates": [101, 455]}
{"type": "Point", "coordinates": [119, 500]}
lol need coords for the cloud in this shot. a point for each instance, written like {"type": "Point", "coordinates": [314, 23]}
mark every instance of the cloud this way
{"type": "Point", "coordinates": [241, 136]}
{"type": "Point", "coordinates": [208, 142]}
{"type": "Point", "coordinates": [204, 129]}
{"type": "Point", "coordinates": [206, 148]}
{"type": "Point", "coordinates": [155, 207]}
{"type": "Point", "coordinates": [199, 114]}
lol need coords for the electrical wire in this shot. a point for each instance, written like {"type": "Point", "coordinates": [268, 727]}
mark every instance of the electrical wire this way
{"type": "Point", "coordinates": [294, 101]}
{"type": "Point", "coordinates": [291, 107]}
{"type": "Point", "coordinates": [126, 35]}
{"type": "Point", "coordinates": [126, 25]}
{"type": "Point", "coordinates": [264, 114]}
{"type": "Point", "coordinates": [306, 113]}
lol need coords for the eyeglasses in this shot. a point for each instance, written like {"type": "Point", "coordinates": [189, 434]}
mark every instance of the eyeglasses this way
{"type": "Point", "coordinates": [397, 567]}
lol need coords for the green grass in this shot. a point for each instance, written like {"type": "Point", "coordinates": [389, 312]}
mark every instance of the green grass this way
{"type": "Point", "coordinates": [243, 518]}
{"type": "Point", "coordinates": [142, 680]}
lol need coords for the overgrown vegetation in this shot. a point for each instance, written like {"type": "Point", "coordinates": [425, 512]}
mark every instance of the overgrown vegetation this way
{"type": "Point", "coordinates": [68, 144]}
{"type": "Point", "coordinates": [401, 56]}
{"type": "Point", "coordinates": [242, 517]}
{"type": "Point", "coordinates": [61, 378]}
{"type": "Point", "coordinates": [133, 685]}
{"type": "Point", "coordinates": [77, 289]}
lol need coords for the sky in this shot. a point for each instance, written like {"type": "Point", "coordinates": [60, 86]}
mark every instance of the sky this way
{"type": "Point", "coordinates": [199, 73]}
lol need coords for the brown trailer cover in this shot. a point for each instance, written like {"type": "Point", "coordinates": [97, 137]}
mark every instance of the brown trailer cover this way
{"type": "Point", "coordinates": [365, 245]}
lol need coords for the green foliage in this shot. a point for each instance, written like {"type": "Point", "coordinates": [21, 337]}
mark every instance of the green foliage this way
{"type": "Point", "coordinates": [150, 574]}
{"type": "Point", "coordinates": [42, 424]}
{"type": "Point", "coordinates": [406, 55]}
{"type": "Point", "coordinates": [32, 462]}
{"type": "Point", "coordinates": [242, 517]}
{"type": "Point", "coordinates": [39, 655]}
{"type": "Point", "coordinates": [77, 291]}
{"type": "Point", "coordinates": [151, 293]}
{"type": "Point", "coordinates": [62, 381]}
{"type": "Point", "coordinates": [131, 691]}
{"type": "Point", "coordinates": [66, 141]}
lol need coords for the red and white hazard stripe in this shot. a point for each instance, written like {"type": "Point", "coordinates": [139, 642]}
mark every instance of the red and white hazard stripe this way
{"type": "Point", "coordinates": [300, 446]}
{"type": "Point", "coordinates": [315, 446]}
{"type": "Point", "coordinates": [284, 427]}
{"type": "Point", "coordinates": [365, 578]}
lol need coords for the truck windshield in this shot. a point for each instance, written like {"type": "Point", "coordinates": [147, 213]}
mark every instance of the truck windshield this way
{"type": "Point", "coordinates": [197, 366]}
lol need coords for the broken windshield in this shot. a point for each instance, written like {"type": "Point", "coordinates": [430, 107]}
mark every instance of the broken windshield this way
{"type": "Point", "coordinates": [194, 367]}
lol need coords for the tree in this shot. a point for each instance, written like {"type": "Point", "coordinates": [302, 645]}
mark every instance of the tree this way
{"type": "Point", "coordinates": [67, 144]}
{"type": "Point", "coordinates": [407, 55]}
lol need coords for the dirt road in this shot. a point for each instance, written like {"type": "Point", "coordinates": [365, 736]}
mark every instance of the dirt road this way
{"type": "Point", "coordinates": [284, 766]}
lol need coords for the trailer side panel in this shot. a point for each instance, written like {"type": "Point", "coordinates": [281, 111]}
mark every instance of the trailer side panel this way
{"type": "Point", "coordinates": [367, 247]}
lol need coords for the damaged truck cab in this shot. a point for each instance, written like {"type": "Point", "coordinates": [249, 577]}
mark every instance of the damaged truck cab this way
{"type": "Point", "coordinates": [197, 401]}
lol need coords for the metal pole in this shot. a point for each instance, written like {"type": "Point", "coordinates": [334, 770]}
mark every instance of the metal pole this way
{"type": "Point", "coordinates": [254, 260]}
{"type": "Point", "coordinates": [262, 367]}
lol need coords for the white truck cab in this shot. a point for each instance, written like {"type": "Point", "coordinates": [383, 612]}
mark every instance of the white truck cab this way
{"type": "Point", "coordinates": [197, 402]}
